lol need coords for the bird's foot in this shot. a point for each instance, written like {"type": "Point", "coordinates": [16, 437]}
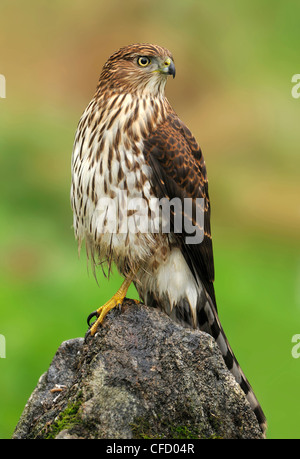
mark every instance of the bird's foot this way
{"type": "Point", "coordinates": [102, 312]}
{"type": "Point", "coordinates": [116, 300]}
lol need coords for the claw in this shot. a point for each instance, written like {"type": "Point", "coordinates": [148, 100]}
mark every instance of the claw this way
{"type": "Point", "coordinates": [91, 315]}
{"type": "Point", "coordinates": [116, 300]}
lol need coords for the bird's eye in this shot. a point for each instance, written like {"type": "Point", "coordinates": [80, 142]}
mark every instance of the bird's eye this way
{"type": "Point", "coordinates": [143, 61]}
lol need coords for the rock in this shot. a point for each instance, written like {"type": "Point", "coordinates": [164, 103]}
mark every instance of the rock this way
{"type": "Point", "coordinates": [141, 376]}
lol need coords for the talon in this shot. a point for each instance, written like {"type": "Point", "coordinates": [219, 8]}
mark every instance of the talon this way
{"type": "Point", "coordinates": [116, 300]}
{"type": "Point", "coordinates": [87, 335]}
{"type": "Point", "coordinates": [91, 315]}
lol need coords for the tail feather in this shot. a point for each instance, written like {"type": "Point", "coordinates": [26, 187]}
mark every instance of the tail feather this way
{"type": "Point", "coordinates": [206, 319]}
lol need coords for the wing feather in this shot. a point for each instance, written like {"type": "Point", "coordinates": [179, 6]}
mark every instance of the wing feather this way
{"type": "Point", "coordinates": [179, 171]}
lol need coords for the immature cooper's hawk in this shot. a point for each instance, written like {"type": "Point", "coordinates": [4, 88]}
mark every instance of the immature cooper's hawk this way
{"type": "Point", "coordinates": [131, 147]}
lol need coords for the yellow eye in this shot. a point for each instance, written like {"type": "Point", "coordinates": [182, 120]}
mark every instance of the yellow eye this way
{"type": "Point", "coordinates": [143, 61]}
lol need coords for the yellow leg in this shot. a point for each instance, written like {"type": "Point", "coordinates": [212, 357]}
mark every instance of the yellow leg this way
{"type": "Point", "coordinates": [118, 298]}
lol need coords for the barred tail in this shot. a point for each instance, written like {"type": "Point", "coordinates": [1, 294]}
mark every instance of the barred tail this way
{"type": "Point", "coordinates": [188, 303]}
{"type": "Point", "coordinates": [208, 321]}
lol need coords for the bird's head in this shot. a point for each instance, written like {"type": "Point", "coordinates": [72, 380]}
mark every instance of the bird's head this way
{"type": "Point", "coordinates": [138, 68]}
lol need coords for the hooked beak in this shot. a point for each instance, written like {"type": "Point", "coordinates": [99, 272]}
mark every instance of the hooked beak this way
{"type": "Point", "coordinates": [168, 67]}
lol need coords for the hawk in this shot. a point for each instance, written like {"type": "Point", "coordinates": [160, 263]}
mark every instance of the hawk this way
{"type": "Point", "coordinates": [131, 146]}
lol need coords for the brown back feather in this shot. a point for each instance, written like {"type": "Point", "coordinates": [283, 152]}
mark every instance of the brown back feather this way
{"type": "Point", "coordinates": [179, 171]}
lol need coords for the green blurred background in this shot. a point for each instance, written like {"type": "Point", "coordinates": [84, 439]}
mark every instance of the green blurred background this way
{"type": "Point", "coordinates": [234, 61]}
